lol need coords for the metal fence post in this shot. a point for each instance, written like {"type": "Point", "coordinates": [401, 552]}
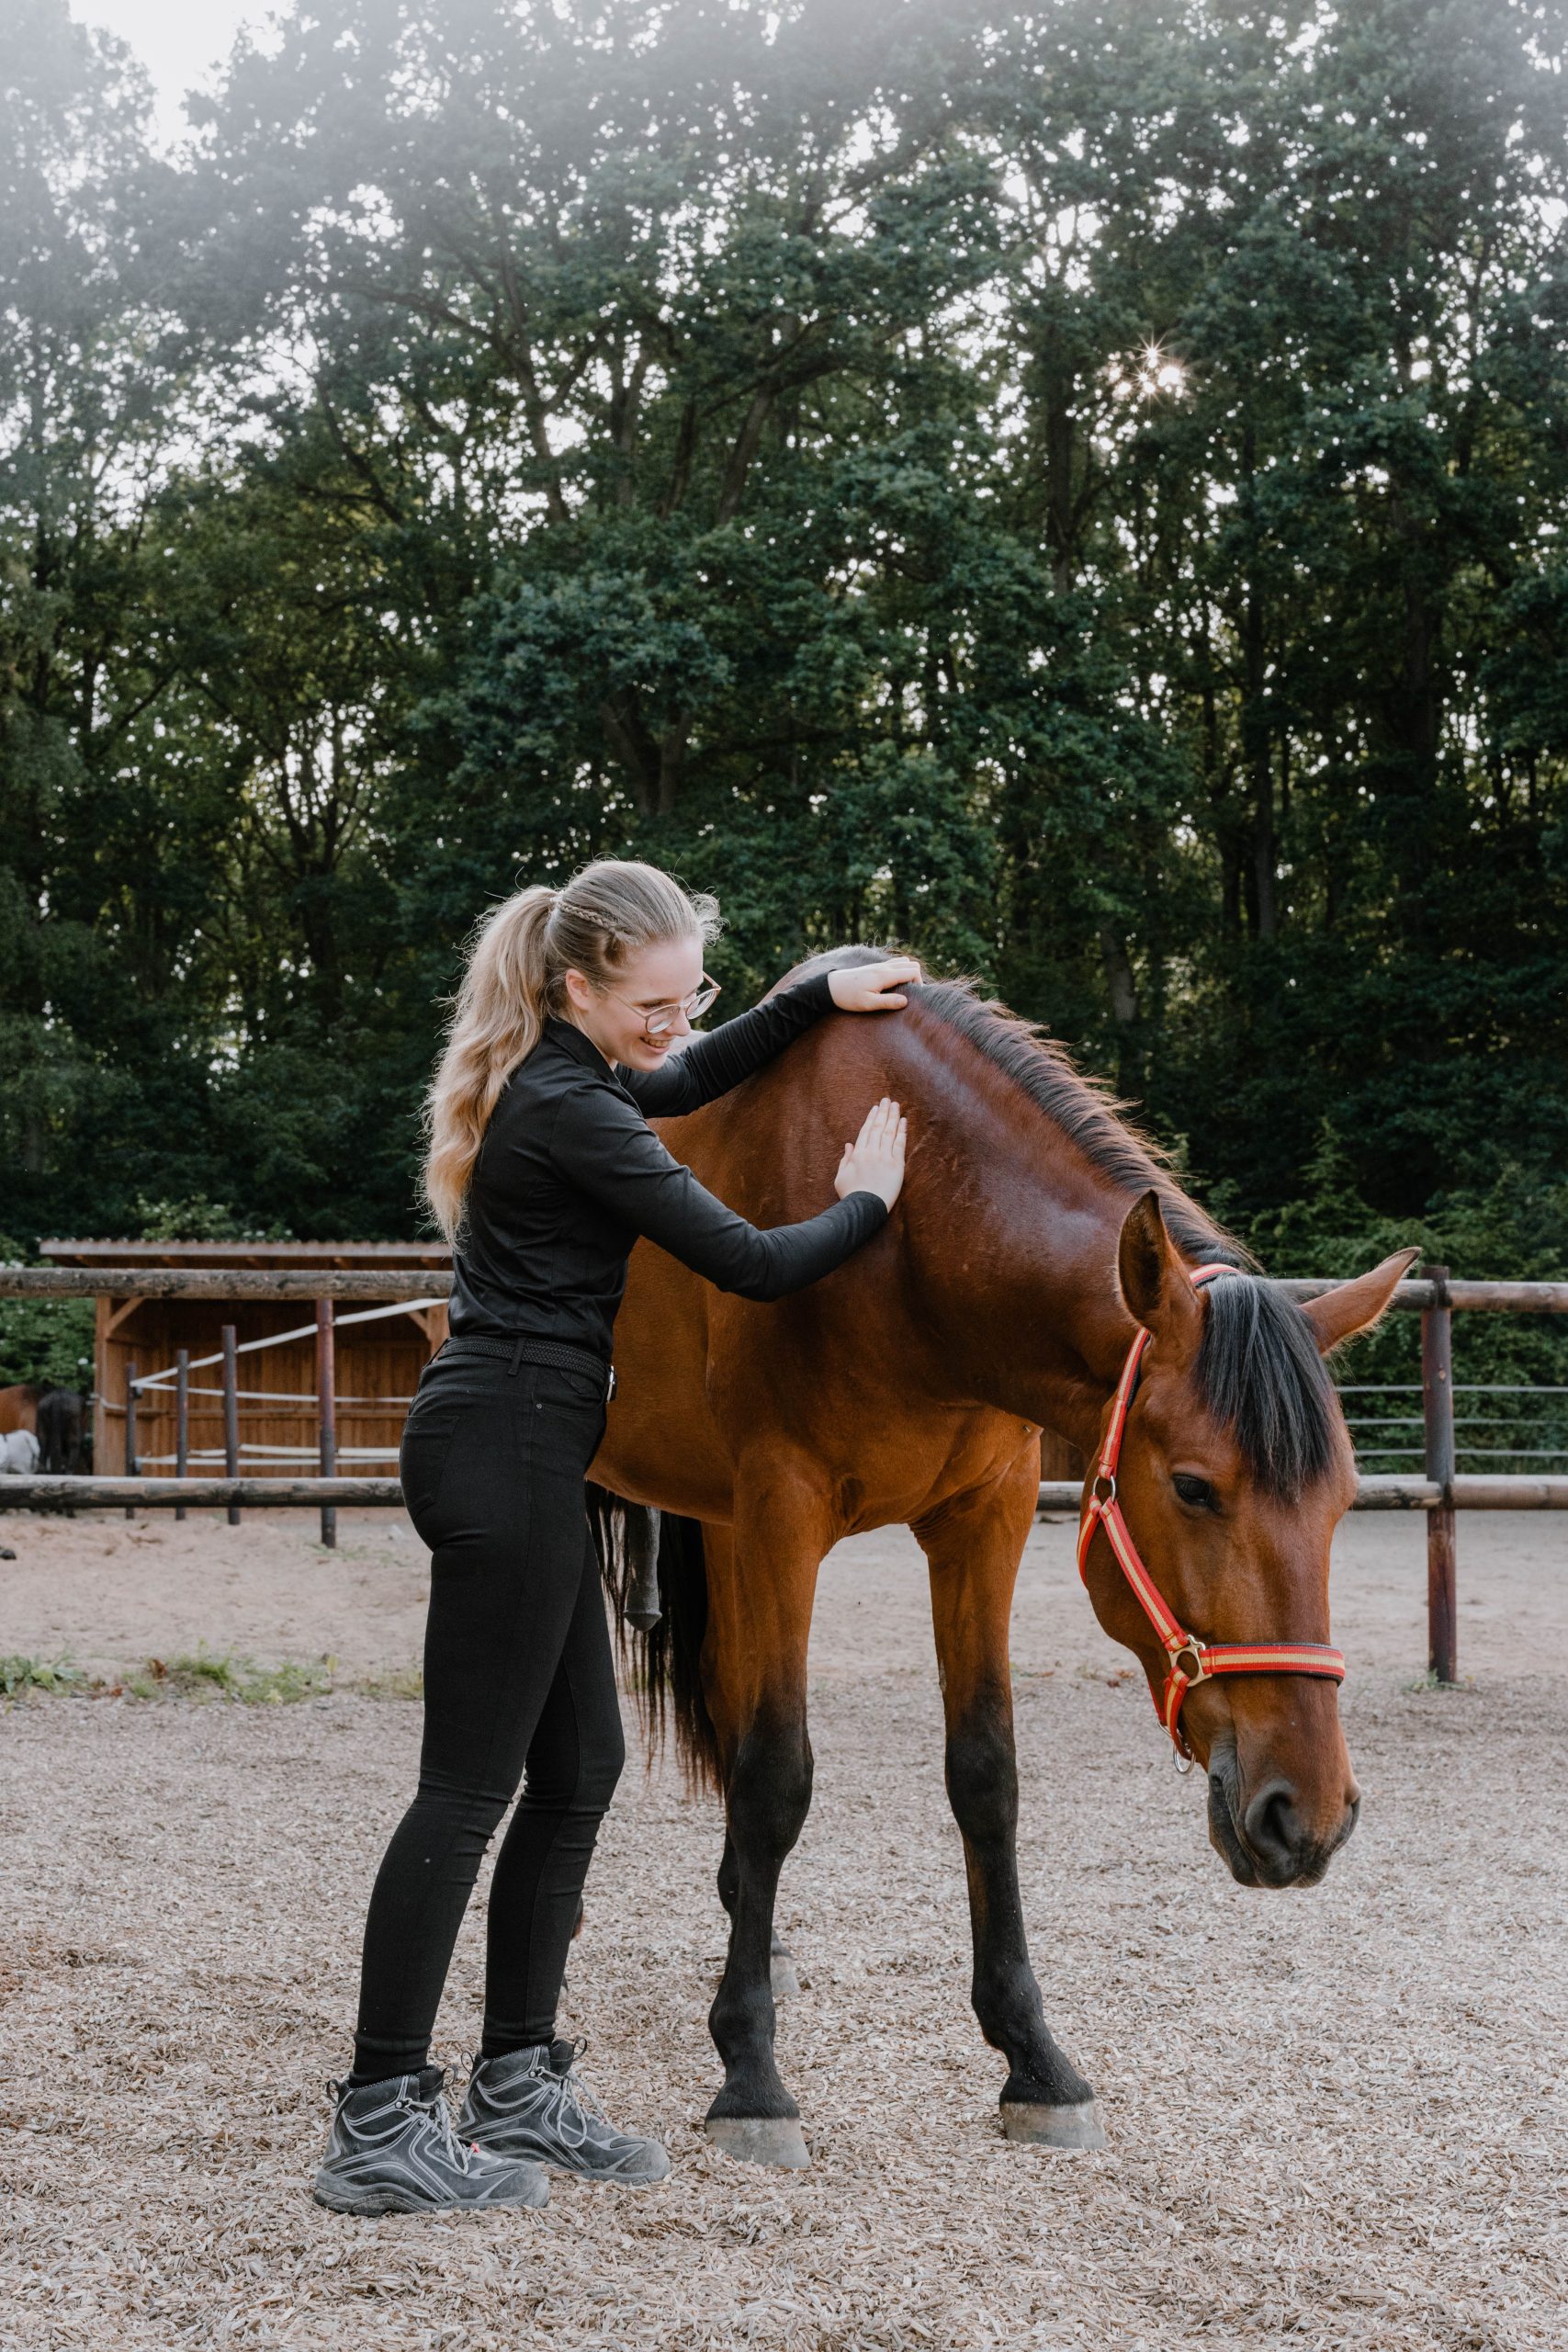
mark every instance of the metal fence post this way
{"type": "Point", "coordinates": [182, 1418]}
{"type": "Point", "coordinates": [1438, 1409]}
{"type": "Point", "coordinates": [231, 1412]}
{"type": "Point", "coordinates": [131, 1469]}
{"type": "Point", "coordinates": [326, 1409]}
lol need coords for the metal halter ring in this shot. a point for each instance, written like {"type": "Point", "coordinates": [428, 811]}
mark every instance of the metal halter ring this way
{"type": "Point", "coordinates": [1102, 1478]}
{"type": "Point", "coordinates": [1189, 1647]}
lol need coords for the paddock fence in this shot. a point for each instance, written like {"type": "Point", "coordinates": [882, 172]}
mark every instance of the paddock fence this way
{"type": "Point", "coordinates": [1439, 1488]}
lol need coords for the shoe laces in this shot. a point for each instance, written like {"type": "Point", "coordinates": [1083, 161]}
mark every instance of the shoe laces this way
{"type": "Point", "coordinates": [575, 2094]}
{"type": "Point", "coordinates": [436, 2110]}
{"type": "Point", "coordinates": [568, 2094]}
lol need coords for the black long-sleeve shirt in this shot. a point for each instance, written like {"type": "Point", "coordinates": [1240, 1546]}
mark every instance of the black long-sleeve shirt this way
{"type": "Point", "coordinates": [569, 1174]}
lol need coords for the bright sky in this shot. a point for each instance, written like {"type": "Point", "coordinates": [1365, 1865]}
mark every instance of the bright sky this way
{"type": "Point", "coordinates": [179, 41]}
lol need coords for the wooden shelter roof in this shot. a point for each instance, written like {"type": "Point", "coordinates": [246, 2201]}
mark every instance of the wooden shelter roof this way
{"type": "Point", "coordinates": [223, 1254]}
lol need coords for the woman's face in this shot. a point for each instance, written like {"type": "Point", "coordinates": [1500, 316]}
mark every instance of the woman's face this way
{"type": "Point", "coordinates": [651, 979]}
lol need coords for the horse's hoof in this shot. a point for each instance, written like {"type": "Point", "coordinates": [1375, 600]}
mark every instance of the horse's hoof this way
{"type": "Point", "coordinates": [775, 2140]}
{"type": "Point", "coordinates": [781, 1970]}
{"type": "Point", "coordinates": [1053, 2127]}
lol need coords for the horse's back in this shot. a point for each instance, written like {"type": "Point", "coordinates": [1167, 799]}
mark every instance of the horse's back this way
{"type": "Point", "coordinates": [18, 1406]}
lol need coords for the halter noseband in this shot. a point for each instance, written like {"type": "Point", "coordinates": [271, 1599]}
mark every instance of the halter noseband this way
{"type": "Point", "coordinates": [1191, 1661]}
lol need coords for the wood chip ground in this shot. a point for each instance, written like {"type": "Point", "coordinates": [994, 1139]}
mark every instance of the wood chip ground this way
{"type": "Point", "coordinates": [1336, 2118]}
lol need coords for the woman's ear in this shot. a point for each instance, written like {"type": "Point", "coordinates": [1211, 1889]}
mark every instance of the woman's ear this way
{"type": "Point", "coordinates": [579, 989]}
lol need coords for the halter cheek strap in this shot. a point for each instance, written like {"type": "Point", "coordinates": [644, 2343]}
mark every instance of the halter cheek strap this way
{"type": "Point", "coordinates": [1191, 1661]}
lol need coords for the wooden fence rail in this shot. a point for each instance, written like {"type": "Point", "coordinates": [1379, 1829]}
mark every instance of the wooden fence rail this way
{"type": "Point", "coordinates": [153, 1494]}
{"type": "Point", "coordinates": [1378, 1493]}
{"type": "Point", "coordinates": [433, 1282]}
{"type": "Point", "coordinates": [368, 1285]}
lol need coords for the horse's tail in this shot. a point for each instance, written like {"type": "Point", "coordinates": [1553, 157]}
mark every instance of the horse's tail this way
{"type": "Point", "coordinates": [58, 1427]}
{"type": "Point", "coordinates": [656, 1575]}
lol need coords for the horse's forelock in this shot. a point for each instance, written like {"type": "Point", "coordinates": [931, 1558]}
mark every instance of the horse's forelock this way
{"type": "Point", "coordinates": [1261, 1374]}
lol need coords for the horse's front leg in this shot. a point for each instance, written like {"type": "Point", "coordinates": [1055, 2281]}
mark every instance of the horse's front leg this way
{"type": "Point", "coordinates": [972, 1544]}
{"type": "Point", "coordinates": [781, 1960]}
{"type": "Point", "coordinates": [761, 1589]}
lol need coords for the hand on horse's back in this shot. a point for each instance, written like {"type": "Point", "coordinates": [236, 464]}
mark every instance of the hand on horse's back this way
{"type": "Point", "coordinates": [875, 1161]}
{"type": "Point", "coordinates": [865, 988]}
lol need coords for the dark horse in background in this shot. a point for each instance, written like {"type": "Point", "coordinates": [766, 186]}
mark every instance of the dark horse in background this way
{"type": "Point", "coordinates": [1035, 1234]}
{"type": "Point", "coordinates": [65, 1432]}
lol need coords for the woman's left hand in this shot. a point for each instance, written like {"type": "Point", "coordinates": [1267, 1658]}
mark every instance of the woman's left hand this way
{"type": "Point", "coordinates": [866, 988]}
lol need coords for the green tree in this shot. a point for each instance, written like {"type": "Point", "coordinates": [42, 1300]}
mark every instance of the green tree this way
{"type": "Point", "coordinates": [1079, 490]}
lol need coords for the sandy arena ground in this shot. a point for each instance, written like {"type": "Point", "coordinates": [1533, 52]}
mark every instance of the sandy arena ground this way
{"type": "Point", "coordinates": [1337, 2119]}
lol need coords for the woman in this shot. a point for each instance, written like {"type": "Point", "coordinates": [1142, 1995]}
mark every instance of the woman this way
{"type": "Point", "coordinates": [543, 1171]}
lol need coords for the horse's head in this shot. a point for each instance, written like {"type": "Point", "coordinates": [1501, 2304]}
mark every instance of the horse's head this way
{"type": "Point", "coordinates": [1233, 1470]}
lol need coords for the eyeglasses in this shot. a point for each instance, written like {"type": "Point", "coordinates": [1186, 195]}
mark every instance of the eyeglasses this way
{"type": "Point", "coordinates": [660, 1018]}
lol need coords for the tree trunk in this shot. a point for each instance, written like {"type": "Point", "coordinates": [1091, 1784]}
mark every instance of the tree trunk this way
{"type": "Point", "coordinates": [1059, 531]}
{"type": "Point", "coordinates": [629, 739]}
{"type": "Point", "coordinates": [1122, 986]}
{"type": "Point", "coordinates": [1255, 732]}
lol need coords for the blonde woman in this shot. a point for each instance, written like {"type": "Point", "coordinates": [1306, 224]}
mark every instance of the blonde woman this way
{"type": "Point", "coordinates": [543, 1171]}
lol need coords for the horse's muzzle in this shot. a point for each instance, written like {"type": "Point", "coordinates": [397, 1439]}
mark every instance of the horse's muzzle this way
{"type": "Point", "coordinates": [1265, 1837]}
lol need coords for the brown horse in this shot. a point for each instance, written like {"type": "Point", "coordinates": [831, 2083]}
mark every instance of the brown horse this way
{"type": "Point", "coordinates": [18, 1406]}
{"type": "Point", "coordinates": [1035, 1233]}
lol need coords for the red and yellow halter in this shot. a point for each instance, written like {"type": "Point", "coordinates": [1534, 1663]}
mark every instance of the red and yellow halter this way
{"type": "Point", "coordinates": [1191, 1661]}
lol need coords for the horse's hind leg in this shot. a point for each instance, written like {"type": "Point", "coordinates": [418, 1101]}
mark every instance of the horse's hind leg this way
{"type": "Point", "coordinates": [759, 1594]}
{"type": "Point", "coordinates": [973, 1546]}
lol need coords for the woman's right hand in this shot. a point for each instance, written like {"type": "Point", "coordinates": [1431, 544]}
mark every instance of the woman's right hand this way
{"type": "Point", "coordinates": [875, 1161]}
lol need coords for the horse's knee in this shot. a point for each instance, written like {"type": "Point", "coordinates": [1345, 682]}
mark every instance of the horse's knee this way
{"type": "Point", "coordinates": [770, 1789]}
{"type": "Point", "coordinates": [982, 1778]}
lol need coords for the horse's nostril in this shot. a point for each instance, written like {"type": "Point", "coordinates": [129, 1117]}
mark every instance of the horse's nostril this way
{"type": "Point", "coordinates": [1273, 1830]}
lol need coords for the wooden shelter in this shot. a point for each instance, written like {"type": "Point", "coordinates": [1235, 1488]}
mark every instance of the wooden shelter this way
{"type": "Point", "coordinates": [378, 1363]}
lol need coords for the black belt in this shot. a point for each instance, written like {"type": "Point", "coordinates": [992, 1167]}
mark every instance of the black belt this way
{"type": "Point", "coordinates": [512, 1352]}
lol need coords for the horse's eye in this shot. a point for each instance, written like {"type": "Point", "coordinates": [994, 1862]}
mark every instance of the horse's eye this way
{"type": "Point", "coordinates": [1196, 1491]}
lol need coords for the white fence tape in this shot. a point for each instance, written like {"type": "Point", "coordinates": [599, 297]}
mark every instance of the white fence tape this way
{"type": "Point", "coordinates": [161, 1380]}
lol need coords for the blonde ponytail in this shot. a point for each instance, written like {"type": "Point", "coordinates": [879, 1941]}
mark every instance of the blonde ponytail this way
{"type": "Point", "coordinates": [520, 954]}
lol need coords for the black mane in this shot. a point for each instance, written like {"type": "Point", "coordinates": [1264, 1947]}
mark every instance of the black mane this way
{"type": "Point", "coordinates": [1260, 1371]}
{"type": "Point", "coordinates": [1086, 1111]}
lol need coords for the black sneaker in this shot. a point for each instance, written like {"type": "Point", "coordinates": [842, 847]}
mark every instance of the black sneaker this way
{"type": "Point", "coordinates": [531, 2103]}
{"type": "Point", "coordinates": [391, 2150]}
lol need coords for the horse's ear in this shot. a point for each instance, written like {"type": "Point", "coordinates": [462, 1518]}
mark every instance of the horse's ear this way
{"type": "Point", "coordinates": [1154, 1283]}
{"type": "Point", "coordinates": [1340, 1314]}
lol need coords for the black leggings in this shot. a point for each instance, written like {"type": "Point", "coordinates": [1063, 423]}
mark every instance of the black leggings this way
{"type": "Point", "coordinates": [518, 1685]}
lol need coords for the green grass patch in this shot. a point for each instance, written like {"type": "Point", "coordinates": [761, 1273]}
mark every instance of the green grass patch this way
{"type": "Point", "coordinates": [395, 1682]}
{"type": "Point", "coordinates": [57, 1675]}
{"type": "Point", "coordinates": [206, 1676]}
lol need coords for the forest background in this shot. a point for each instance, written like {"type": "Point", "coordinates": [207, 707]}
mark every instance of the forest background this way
{"type": "Point", "coordinates": [1078, 490]}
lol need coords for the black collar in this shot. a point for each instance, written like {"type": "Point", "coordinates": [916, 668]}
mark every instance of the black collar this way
{"type": "Point", "coordinates": [569, 1039]}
